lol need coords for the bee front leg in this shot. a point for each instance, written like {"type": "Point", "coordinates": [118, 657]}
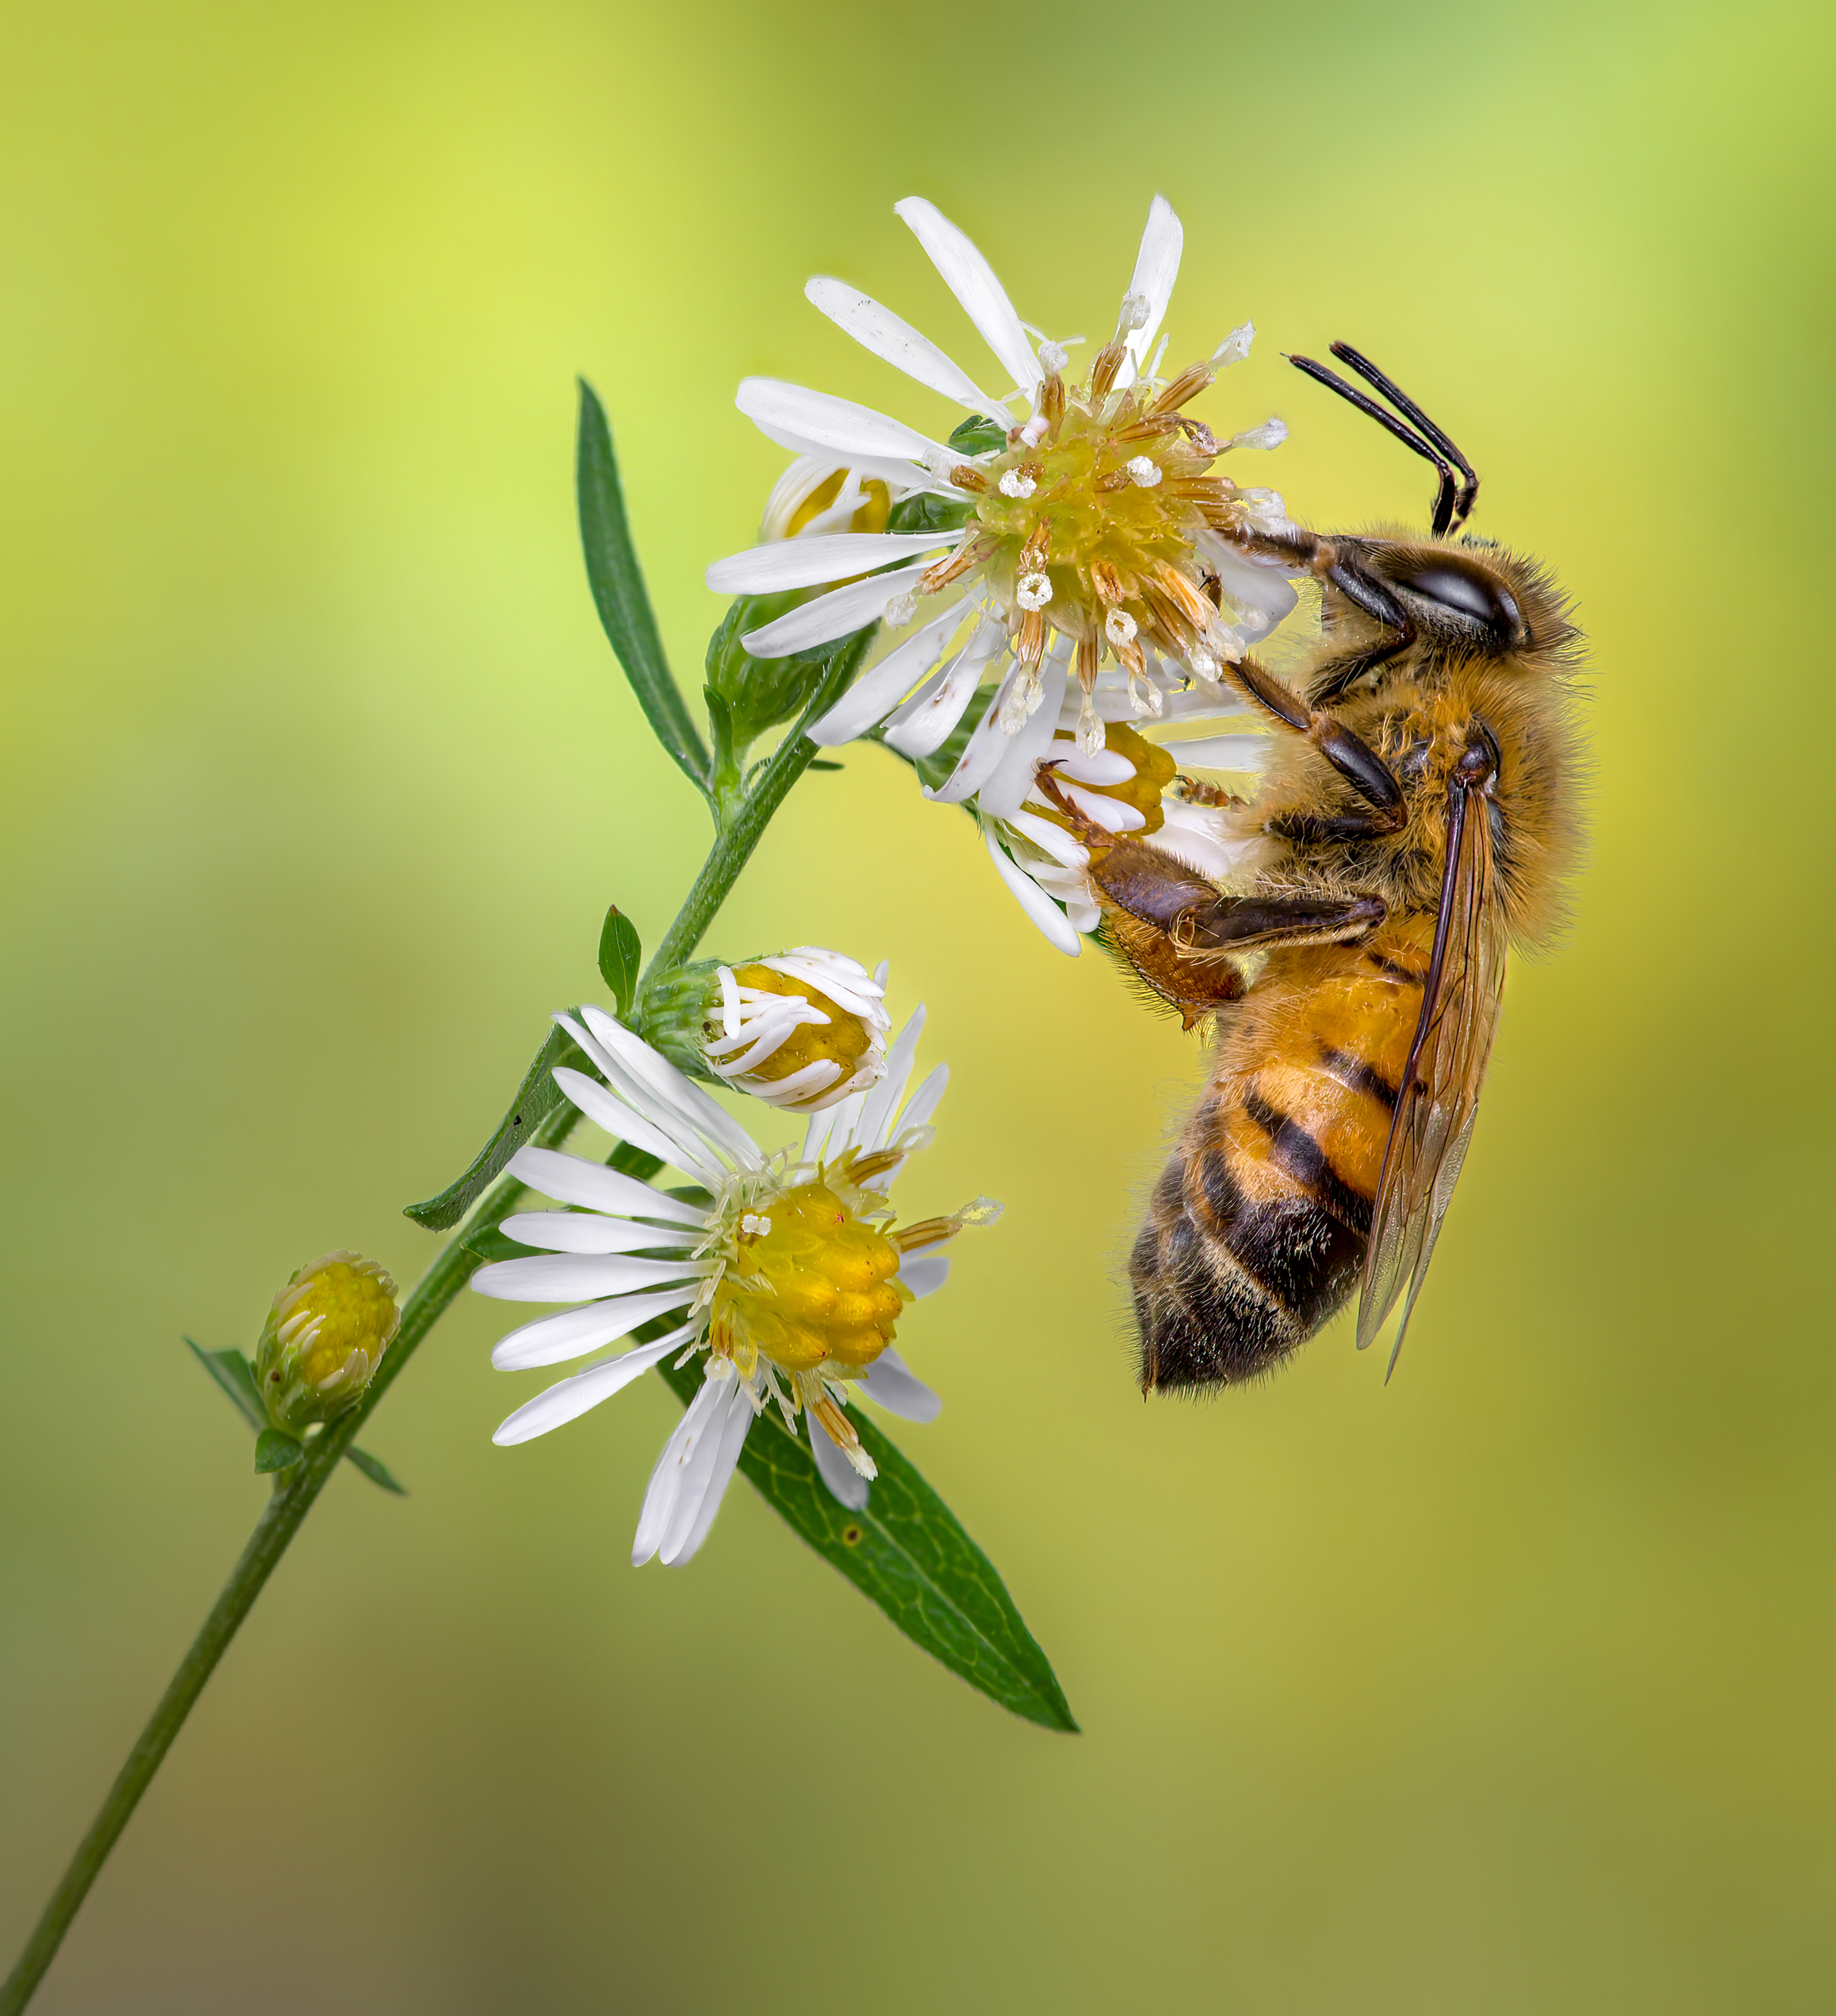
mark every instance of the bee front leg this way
{"type": "Point", "coordinates": [1350, 755]}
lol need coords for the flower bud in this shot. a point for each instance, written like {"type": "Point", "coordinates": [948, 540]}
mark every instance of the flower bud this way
{"type": "Point", "coordinates": [323, 1340]}
{"type": "Point", "coordinates": [800, 1031]}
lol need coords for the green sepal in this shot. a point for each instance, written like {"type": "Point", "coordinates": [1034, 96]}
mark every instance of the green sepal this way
{"type": "Point", "coordinates": [759, 693]}
{"type": "Point", "coordinates": [235, 1377]}
{"type": "Point", "coordinates": [925, 512]}
{"type": "Point", "coordinates": [622, 958]}
{"type": "Point", "coordinates": [537, 1097]}
{"type": "Point", "coordinates": [375, 1470]}
{"type": "Point", "coordinates": [620, 595]}
{"type": "Point", "coordinates": [980, 436]}
{"type": "Point", "coordinates": [275, 1449]}
{"type": "Point", "coordinates": [905, 1552]}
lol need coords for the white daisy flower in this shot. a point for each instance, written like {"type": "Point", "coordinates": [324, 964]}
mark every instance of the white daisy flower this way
{"type": "Point", "coordinates": [789, 1275]}
{"type": "Point", "coordinates": [802, 1030]}
{"type": "Point", "coordinates": [1099, 504]}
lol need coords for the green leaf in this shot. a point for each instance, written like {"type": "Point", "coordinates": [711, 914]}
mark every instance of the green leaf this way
{"type": "Point", "coordinates": [491, 1243]}
{"type": "Point", "coordinates": [622, 958]}
{"type": "Point", "coordinates": [536, 1098]}
{"type": "Point", "coordinates": [276, 1450]}
{"type": "Point", "coordinates": [980, 436]}
{"type": "Point", "coordinates": [906, 1552]}
{"type": "Point", "coordinates": [928, 512]}
{"type": "Point", "coordinates": [235, 1377]}
{"type": "Point", "coordinates": [620, 595]}
{"type": "Point", "coordinates": [375, 1470]}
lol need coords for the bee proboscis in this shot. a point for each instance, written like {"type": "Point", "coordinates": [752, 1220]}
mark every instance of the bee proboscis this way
{"type": "Point", "coordinates": [1417, 817]}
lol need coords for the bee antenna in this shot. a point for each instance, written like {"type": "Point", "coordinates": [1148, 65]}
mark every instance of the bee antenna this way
{"type": "Point", "coordinates": [1453, 500]}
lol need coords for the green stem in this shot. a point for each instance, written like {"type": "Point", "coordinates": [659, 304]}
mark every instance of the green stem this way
{"type": "Point", "coordinates": [430, 1299]}
{"type": "Point", "coordinates": [433, 1295]}
{"type": "Point", "coordinates": [733, 847]}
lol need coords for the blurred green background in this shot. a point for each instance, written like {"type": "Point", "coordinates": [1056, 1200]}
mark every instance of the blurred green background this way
{"type": "Point", "coordinates": [1506, 1688]}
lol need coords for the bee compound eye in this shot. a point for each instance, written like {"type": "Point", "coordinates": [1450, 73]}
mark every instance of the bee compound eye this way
{"type": "Point", "coordinates": [1469, 593]}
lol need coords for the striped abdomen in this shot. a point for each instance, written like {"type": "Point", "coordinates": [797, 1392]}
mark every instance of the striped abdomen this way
{"type": "Point", "coordinates": [1257, 1230]}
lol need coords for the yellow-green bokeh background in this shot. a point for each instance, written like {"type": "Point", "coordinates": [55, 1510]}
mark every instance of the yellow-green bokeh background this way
{"type": "Point", "coordinates": [1505, 1688]}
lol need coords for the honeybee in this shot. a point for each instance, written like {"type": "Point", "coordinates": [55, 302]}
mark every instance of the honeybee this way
{"type": "Point", "coordinates": [1417, 818]}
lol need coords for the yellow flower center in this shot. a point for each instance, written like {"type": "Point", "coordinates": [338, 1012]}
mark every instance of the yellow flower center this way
{"type": "Point", "coordinates": [844, 1038]}
{"type": "Point", "coordinates": [812, 1284]}
{"type": "Point", "coordinates": [1154, 770]}
{"type": "Point", "coordinates": [1085, 523]}
{"type": "Point", "coordinates": [875, 505]}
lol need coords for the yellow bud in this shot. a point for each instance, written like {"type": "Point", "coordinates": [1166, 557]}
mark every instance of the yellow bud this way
{"type": "Point", "coordinates": [323, 1340]}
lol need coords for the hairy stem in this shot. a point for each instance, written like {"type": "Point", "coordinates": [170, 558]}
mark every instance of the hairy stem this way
{"type": "Point", "coordinates": [432, 1296]}
{"type": "Point", "coordinates": [733, 848]}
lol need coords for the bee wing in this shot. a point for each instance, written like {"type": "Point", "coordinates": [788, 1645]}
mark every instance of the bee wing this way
{"type": "Point", "coordinates": [1439, 1100]}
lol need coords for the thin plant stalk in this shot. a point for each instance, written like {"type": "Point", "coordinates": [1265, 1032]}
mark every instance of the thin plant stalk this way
{"type": "Point", "coordinates": [432, 1296]}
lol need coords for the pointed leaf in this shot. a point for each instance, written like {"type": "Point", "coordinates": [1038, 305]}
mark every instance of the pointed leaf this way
{"type": "Point", "coordinates": [536, 1098]}
{"type": "Point", "coordinates": [980, 435]}
{"type": "Point", "coordinates": [620, 595]}
{"type": "Point", "coordinates": [622, 958]}
{"type": "Point", "coordinates": [276, 1450]}
{"type": "Point", "coordinates": [375, 1470]}
{"type": "Point", "coordinates": [905, 1552]}
{"type": "Point", "coordinates": [235, 1377]}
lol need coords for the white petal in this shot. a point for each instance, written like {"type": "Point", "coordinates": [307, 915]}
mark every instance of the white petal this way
{"type": "Point", "coordinates": [877, 692]}
{"type": "Point", "coordinates": [1008, 785]}
{"type": "Point", "coordinates": [665, 1486]}
{"type": "Point", "coordinates": [873, 1129]}
{"type": "Point", "coordinates": [1192, 836]}
{"type": "Point", "coordinates": [1112, 815]}
{"type": "Point", "coordinates": [970, 278]}
{"type": "Point", "coordinates": [900, 477]}
{"type": "Point", "coordinates": [734, 1430]}
{"type": "Point", "coordinates": [830, 423]}
{"type": "Point", "coordinates": [984, 749]}
{"type": "Point", "coordinates": [706, 1473]}
{"type": "Point", "coordinates": [832, 615]}
{"type": "Point", "coordinates": [1156, 267]}
{"type": "Point", "coordinates": [1050, 839]}
{"type": "Point", "coordinates": [1038, 905]}
{"type": "Point", "coordinates": [573, 1179]}
{"type": "Point", "coordinates": [922, 1103]}
{"type": "Point", "coordinates": [927, 720]}
{"type": "Point", "coordinates": [604, 1109]}
{"type": "Point", "coordinates": [889, 1381]}
{"type": "Point", "coordinates": [879, 330]}
{"type": "Point", "coordinates": [569, 1398]}
{"type": "Point", "coordinates": [1223, 752]}
{"type": "Point", "coordinates": [588, 1231]}
{"type": "Point", "coordinates": [578, 1277]}
{"type": "Point", "coordinates": [551, 1340]}
{"type": "Point", "coordinates": [803, 562]}
{"type": "Point", "coordinates": [665, 1082]}
{"type": "Point", "coordinates": [924, 1273]}
{"type": "Point", "coordinates": [1108, 766]}
{"type": "Point", "coordinates": [845, 1483]}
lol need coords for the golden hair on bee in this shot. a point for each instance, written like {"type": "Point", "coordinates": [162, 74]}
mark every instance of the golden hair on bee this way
{"type": "Point", "coordinates": [1417, 817]}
